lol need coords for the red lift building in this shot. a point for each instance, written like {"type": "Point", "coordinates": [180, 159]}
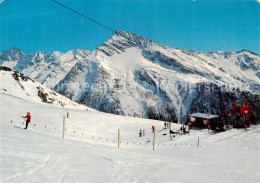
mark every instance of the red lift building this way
{"type": "Point", "coordinates": [239, 108]}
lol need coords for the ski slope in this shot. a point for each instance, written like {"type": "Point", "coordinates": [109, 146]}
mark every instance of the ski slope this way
{"type": "Point", "coordinates": [40, 154]}
{"type": "Point", "coordinates": [17, 84]}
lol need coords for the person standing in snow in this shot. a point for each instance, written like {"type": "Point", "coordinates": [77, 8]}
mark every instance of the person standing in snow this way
{"type": "Point", "coordinates": [67, 114]}
{"type": "Point", "coordinates": [152, 129]}
{"type": "Point", "coordinates": [140, 133]}
{"type": "Point", "coordinates": [28, 119]}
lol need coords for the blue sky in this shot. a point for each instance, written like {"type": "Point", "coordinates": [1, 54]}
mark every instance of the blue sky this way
{"type": "Point", "coordinates": [201, 25]}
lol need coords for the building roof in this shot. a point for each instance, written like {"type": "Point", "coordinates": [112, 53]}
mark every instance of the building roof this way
{"type": "Point", "coordinates": [204, 116]}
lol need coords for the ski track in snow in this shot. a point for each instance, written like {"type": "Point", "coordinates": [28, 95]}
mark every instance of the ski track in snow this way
{"type": "Point", "coordinates": [44, 163]}
{"type": "Point", "coordinates": [28, 172]}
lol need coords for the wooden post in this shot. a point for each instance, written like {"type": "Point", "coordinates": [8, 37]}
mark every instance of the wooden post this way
{"type": "Point", "coordinates": [170, 130]}
{"type": "Point", "coordinates": [153, 138]}
{"type": "Point", "coordinates": [198, 141]}
{"type": "Point", "coordinates": [244, 120]}
{"type": "Point", "coordinates": [63, 126]}
{"type": "Point", "coordinates": [118, 137]}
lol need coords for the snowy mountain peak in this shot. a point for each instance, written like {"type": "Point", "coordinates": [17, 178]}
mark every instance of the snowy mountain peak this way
{"type": "Point", "coordinates": [122, 40]}
{"type": "Point", "coordinates": [133, 38]}
{"type": "Point", "coordinates": [247, 52]}
{"type": "Point", "coordinates": [11, 54]}
{"type": "Point", "coordinates": [14, 50]}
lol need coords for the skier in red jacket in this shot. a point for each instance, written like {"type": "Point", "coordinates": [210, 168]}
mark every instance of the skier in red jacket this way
{"type": "Point", "coordinates": [28, 119]}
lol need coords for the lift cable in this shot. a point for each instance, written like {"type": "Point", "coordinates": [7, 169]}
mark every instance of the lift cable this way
{"type": "Point", "coordinates": [75, 74]}
{"type": "Point", "coordinates": [110, 29]}
{"type": "Point", "coordinates": [100, 24]}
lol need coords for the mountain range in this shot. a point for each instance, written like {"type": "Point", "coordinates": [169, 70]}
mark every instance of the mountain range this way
{"type": "Point", "coordinates": [134, 76]}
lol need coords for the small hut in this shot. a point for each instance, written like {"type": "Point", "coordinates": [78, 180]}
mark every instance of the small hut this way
{"type": "Point", "coordinates": [202, 120]}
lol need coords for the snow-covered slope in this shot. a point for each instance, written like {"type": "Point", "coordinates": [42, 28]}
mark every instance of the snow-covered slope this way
{"type": "Point", "coordinates": [18, 85]}
{"type": "Point", "coordinates": [135, 76]}
{"type": "Point", "coordinates": [89, 151]}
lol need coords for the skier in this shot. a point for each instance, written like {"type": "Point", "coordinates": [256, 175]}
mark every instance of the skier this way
{"type": "Point", "coordinates": [164, 125]}
{"type": "Point", "coordinates": [67, 114]}
{"type": "Point", "coordinates": [28, 119]}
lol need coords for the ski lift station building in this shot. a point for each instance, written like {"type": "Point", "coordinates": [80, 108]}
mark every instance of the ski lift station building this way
{"type": "Point", "coordinates": [203, 120]}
